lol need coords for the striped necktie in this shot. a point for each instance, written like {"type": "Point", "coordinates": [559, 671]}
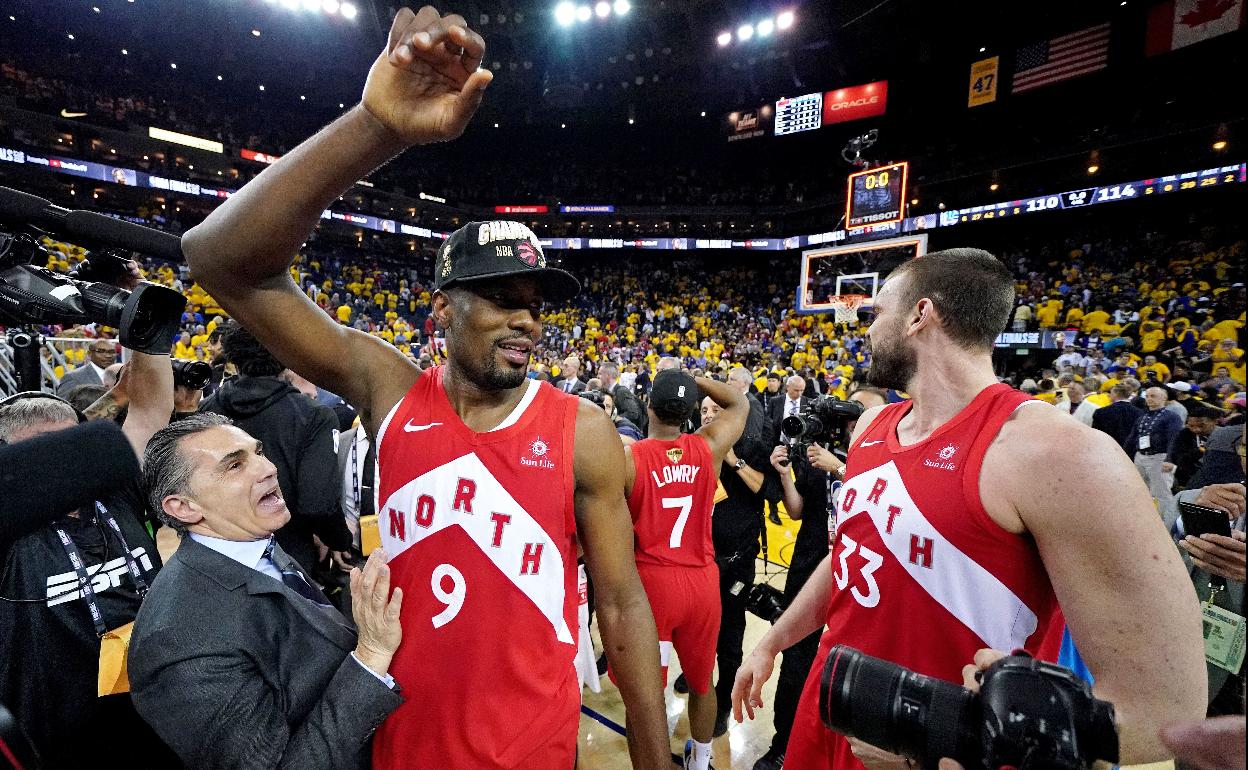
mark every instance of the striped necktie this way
{"type": "Point", "coordinates": [293, 577]}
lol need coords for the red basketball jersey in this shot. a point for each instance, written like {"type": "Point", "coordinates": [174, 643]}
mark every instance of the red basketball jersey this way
{"type": "Point", "coordinates": [921, 575]}
{"type": "Point", "coordinates": [671, 502]}
{"type": "Point", "coordinates": [480, 532]}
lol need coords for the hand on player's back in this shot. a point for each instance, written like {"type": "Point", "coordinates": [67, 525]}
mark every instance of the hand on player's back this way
{"type": "Point", "coordinates": [426, 85]}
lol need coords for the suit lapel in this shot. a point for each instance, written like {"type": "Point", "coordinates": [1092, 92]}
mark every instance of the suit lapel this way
{"type": "Point", "coordinates": [327, 620]}
{"type": "Point", "coordinates": [232, 576]}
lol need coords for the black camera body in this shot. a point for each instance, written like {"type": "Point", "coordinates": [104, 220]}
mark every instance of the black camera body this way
{"type": "Point", "coordinates": [1028, 714]}
{"type": "Point", "coordinates": [765, 601]}
{"type": "Point", "coordinates": [146, 318]}
{"type": "Point", "coordinates": [822, 421]}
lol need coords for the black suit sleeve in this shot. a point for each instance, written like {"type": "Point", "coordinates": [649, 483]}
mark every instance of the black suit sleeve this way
{"type": "Point", "coordinates": [227, 714]}
{"type": "Point", "coordinates": [628, 405]}
{"type": "Point", "coordinates": [319, 483]}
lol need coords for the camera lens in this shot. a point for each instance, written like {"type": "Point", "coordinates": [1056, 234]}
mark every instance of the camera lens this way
{"type": "Point", "coordinates": [192, 374]}
{"type": "Point", "coordinates": [798, 425]}
{"type": "Point", "coordinates": [895, 709]}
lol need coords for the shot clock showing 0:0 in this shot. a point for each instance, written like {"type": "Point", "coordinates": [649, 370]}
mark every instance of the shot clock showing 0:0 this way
{"type": "Point", "coordinates": [876, 196]}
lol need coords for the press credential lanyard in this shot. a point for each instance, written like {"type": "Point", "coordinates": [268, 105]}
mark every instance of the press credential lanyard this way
{"type": "Point", "coordinates": [84, 580]}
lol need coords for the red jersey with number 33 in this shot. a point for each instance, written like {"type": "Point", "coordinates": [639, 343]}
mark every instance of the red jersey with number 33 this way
{"type": "Point", "coordinates": [671, 502]}
{"type": "Point", "coordinates": [480, 532]}
{"type": "Point", "coordinates": [921, 575]}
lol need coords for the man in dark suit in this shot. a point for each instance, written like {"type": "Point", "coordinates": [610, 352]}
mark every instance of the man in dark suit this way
{"type": "Point", "coordinates": [787, 404]}
{"type": "Point", "coordinates": [569, 376]}
{"type": "Point", "coordinates": [237, 660]}
{"type": "Point", "coordinates": [100, 355]}
{"type": "Point", "coordinates": [1119, 417]}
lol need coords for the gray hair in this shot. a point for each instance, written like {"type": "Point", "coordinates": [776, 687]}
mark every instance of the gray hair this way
{"type": "Point", "coordinates": [165, 470]}
{"type": "Point", "coordinates": [740, 374]}
{"type": "Point", "coordinates": [33, 410]}
{"type": "Point", "coordinates": [667, 362]}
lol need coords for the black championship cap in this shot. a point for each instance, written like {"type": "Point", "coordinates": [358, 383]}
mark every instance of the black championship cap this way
{"type": "Point", "coordinates": [676, 389]}
{"type": "Point", "coordinates": [481, 250]}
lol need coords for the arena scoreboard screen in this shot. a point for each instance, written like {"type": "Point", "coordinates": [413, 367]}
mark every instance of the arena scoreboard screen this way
{"type": "Point", "coordinates": [801, 113]}
{"type": "Point", "coordinates": [876, 196]}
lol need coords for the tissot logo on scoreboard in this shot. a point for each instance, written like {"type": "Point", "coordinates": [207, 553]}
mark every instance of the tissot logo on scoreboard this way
{"type": "Point", "coordinates": [876, 196]}
{"type": "Point", "coordinates": [855, 102]}
{"type": "Point", "coordinates": [522, 209]}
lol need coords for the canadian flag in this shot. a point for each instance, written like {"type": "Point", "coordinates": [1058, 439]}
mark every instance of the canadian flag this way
{"type": "Point", "coordinates": [1177, 23]}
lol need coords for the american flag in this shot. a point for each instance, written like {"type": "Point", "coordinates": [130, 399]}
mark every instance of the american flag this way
{"type": "Point", "coordinates": [1061, 58]}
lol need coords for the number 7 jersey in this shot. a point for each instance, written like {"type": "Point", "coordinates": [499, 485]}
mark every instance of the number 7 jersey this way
{"type": "Point", "coordinates": [480, 531]}
{"type": "Point", "coordinates": [671, 501]}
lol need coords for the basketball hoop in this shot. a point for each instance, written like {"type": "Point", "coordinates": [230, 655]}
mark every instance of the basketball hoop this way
{"type": "Point", "coordinates": [846, 307]}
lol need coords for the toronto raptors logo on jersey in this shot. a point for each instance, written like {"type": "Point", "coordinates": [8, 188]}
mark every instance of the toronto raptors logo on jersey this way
{"type": "Point", "coordinates": [464, 493]}
{"type": "Point", "coordinates": [971, 593]}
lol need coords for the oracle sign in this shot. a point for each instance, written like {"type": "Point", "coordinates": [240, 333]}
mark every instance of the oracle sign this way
{"type": "Point", "coordinates": [855, 102]}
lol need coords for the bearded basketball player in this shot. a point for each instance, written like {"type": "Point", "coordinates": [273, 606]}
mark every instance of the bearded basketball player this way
{"type": "Point", "coordinates": [973, 517]}
{"type": "Point", "coordinates": [487, 480]}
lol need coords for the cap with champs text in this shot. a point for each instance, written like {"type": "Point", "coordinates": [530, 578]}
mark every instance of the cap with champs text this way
{"type": "Point", "coordinates": [481, 250]}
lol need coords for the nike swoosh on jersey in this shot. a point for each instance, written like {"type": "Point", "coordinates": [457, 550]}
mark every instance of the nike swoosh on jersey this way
{"type": "Point", "coordinates": [872, 443]}
{"type": "Point", "coordinates": [410, 428]}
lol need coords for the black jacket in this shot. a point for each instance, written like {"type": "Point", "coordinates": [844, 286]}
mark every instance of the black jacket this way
{"type": "Point", "coordinates": [300, 438]}
{"type": "Point", "coordinates": [1117, 420]}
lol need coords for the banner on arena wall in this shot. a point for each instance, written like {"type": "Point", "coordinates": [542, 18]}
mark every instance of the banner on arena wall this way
{"type": "Point", "coordinates": [855, 102]}
{"type": "Point", "coordinates": [1174, 24]}
{"type": "Point", "coordinates": [1089, 196]}
{"type": "Point", "coordinates": [175, 137]}
{"type": "Point", "coordinates": [983, 82]}
{"type": "Point", "coordinates": [749, 124]}
{"type": "Point", "coordinates": [521, 209]}
{"type": "Point", "coordinates": [596, 208]}
{"type": "Point", "coordinates": [259, 157]}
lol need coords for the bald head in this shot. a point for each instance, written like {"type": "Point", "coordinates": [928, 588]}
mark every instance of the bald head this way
{"type": "Point", "coordinates": [1155, 398]}
{"type": "Point", "coordinates": [794, 387]}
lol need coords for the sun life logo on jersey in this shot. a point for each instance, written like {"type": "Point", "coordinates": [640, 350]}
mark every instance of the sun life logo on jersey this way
{"type": "Point", "coordinates": [538, 449]}
{"type": "Point", "coordinates": [675, 454]}
{"type": "Point", "coordinates": [946, 455]}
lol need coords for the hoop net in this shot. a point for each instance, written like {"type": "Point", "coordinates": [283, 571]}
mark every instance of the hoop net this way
{"type": "Point", "coordinates": [846, 307]}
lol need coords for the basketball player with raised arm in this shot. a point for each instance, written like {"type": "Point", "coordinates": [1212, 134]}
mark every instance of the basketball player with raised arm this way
{"type": "Point", "coordinates": [487, 481]}
{"type": "Point", "coordinates": [671, 484]}
{"type": "Point", "coordinates": [964, 523]}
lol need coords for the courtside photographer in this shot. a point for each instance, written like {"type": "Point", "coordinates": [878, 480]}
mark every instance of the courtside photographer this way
{"type": "Point", "coordinates": [72, 580]}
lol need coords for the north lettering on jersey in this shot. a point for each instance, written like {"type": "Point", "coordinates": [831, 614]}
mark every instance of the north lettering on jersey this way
{"type": "Point", "coordinates": [921, 551]}
{"type": "Point", "coordinates": [956, 581]}
{"type": "Point", "coordinates": [675, 474]}
{"type": "Point", "coordinates": [500, 520]}
{"type": "Point", "coordinates": [464, 492]}
{"type": "Point", "coordinates": [510, 537]}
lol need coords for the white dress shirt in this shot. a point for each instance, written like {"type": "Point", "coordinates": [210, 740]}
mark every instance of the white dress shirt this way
{"type": "Point", "coordinates": [250, 553]}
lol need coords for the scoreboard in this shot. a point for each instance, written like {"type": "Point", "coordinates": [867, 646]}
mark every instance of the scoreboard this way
{"type": "Point", "coordinates": [1091, 196]}
{"type": "Point", "coordinates": [801, 113]}
{"type": "Point", "coordinates": [876, 196]}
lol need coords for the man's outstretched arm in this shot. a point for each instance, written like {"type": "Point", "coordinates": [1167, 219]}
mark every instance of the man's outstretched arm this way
{"type": "Point", "coordinates": [421, 89]}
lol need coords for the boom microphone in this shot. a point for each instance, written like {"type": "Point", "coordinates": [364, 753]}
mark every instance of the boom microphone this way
{"type": "Point", "coordinates": [103, 463]}
{"type": "Point", "coordinates": [93, 228]}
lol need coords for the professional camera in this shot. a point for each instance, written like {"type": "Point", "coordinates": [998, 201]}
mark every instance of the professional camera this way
{"type": "Point", "coordinates": [1028, 714]}
{"type": "Point", "coordinates": [193, 375]}
{"type": "Point", "coordinates": [765, 601]}
{"type": "Point", "coordinates": [822, 421]}
{"type": "Point", "coordinates": [146, 318]}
